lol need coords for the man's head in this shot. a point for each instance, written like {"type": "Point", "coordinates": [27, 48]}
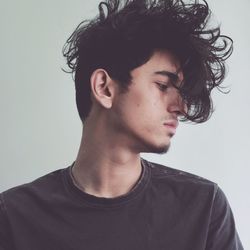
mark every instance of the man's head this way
{"type": "Point", "coordinates": [124, 36]}
{"type": "Point", "coordinates": [145, 117]}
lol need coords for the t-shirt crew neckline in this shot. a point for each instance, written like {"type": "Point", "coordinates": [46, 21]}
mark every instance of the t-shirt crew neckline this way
{"type": "Point", "coordinates": [95, 201]}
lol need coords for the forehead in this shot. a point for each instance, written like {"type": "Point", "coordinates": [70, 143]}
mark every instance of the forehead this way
{"type": "Point", "coordinates": [161, 64]}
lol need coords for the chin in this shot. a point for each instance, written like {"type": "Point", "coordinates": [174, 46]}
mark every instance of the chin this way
{"type": "Point", "coordinates": [157, 149]}
{"type": "Point", "coordinates": [162, 150]}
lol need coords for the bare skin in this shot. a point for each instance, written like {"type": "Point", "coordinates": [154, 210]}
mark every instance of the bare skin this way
{"type": "Point", "coordinates": [121, 126]}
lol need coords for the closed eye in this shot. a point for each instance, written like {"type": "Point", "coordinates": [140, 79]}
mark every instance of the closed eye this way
{"type": "Point", "coordinates": [162, 87]}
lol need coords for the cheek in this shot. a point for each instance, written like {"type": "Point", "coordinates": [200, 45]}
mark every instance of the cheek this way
{"type": "Point", "coordinates": [147, 107]}
{"type": "Point", "coordinates": [148, 116]}
{"type": "Point", "coordinates": [127, 111]}
{"type": "Point", "coordinates": [139, 109]}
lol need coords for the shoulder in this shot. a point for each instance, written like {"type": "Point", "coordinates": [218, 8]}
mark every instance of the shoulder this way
{"type": "Point", "coordinates": [163, 171]}
{"type": "Point", "coordinates": [181, 181]}
{"type": "Point", "coordinates": [22, 203]}
{"type": "Point", "coordinates": [206, 196]}
{"type": "Point", "coordinates": [39, 187]}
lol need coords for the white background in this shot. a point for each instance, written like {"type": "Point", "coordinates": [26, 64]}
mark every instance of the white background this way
{"type": "Point", "coordinates": [40, 128]}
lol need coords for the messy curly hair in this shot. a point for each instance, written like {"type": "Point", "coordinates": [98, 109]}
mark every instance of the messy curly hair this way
{"type": "Point", "coordinates": [125, 34]}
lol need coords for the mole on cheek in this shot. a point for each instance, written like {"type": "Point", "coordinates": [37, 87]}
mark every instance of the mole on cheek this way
{"type": "Point", "coordinates": [154, 104]}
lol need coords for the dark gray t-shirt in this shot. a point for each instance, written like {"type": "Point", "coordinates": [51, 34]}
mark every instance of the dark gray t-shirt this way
{"type": "Point", "coordinates": [167, 209]}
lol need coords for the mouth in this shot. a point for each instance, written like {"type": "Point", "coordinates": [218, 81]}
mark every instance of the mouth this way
{"type": "Point", "coordinates": [171, 126]}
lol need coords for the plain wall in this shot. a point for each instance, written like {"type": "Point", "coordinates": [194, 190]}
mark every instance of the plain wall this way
{"type": "Point", "coordinates": [40, 127]}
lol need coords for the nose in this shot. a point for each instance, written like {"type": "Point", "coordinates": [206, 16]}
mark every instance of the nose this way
{"type": "Point", "coordinates": [175, 103]}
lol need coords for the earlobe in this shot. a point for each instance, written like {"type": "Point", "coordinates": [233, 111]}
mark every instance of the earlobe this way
{"type": "Point", "coordinates": [102, 88]}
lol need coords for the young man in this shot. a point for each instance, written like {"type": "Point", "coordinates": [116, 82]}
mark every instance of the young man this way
{"type": "Point", "coordinates": [139, 67]}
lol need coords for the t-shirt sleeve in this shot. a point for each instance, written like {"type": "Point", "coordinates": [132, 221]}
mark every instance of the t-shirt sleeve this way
{"type": "Point", "coordinates": [222, 231]}
{"type": "Point", "coordinates": [5, 242]}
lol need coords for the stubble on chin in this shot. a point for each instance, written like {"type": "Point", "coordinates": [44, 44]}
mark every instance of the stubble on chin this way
{"type": "Point", "coordinates": [163, 149]}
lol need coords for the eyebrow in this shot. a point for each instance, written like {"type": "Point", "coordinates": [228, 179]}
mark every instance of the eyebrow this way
{"type": "Point", "coordinates": [173, 76]}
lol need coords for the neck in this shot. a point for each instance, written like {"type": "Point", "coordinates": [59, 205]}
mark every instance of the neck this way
{"type": "Point", "coordinates": [104, 168]}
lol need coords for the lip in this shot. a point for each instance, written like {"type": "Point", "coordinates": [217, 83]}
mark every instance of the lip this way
{"type": "Point", "coordinates": [171, 125]}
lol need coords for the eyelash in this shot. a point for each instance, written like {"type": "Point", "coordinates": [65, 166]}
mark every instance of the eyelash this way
{"type": "Point", "coordinates": [162, 87]}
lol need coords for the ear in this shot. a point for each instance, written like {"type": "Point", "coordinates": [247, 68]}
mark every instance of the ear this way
{"type": "Point", "coordinates": [102, 88]}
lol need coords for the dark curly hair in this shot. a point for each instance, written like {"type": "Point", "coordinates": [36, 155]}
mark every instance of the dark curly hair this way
{"type": "Point", "coordinates": [125, 35]}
